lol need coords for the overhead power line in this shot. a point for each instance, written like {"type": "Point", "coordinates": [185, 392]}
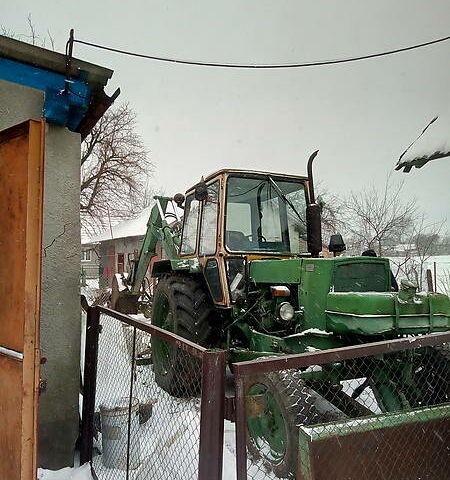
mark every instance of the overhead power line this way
{"type": "Point", "coordinates": [262, 66]}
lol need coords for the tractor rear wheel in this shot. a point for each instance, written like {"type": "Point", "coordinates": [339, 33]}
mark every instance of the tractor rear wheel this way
{"type": "Point", "coordinates": [182, 306]}
{"type": "Point", "coordinates": [285, 403]}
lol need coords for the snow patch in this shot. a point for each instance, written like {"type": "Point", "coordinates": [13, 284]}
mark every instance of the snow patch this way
{"type": "Point", "coordinates": [78, 473]}
{"type": "Point", "coordinates": [315, 331]}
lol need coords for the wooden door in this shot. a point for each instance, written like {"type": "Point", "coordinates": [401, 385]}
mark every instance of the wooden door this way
{"type": "Point", "coordinates": [21, 183]}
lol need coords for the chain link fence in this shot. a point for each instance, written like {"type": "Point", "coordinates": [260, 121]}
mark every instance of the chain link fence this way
{"type": "Point", "coordinates": [377, 411]}
{"type": "Point", "coordinates": [154, 407]}
{"type": "Point", "coordinates": [149, 398]}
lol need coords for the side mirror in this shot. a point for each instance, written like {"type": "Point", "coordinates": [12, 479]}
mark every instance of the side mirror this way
{"type": "Point", "coordinates": [336, 244]}
{"type": "Point", "coordinates": [201, 191]}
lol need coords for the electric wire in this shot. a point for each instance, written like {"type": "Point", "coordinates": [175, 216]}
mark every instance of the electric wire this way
{"type": "Point", "coordinates": [262, 66]}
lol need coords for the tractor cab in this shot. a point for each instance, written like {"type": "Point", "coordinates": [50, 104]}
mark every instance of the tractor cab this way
{"type": "Point", "coordinates": [235, 216]}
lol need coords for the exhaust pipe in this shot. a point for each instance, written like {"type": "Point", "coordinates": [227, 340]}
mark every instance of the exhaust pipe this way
{"type": "Point", "coordinates": [313, 214]}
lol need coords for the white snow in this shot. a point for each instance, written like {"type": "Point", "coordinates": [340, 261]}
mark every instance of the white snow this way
{"type": "Point", "coordinates": [77, 473]}
{"type": "Point", "coordinates": [315, 331]}
{"type": "Point", "coordinates": [119, 280]}
{"type": "Point", "coordinates": [134, 227]}
{"type": "Point", "coordinates": [442, 268]}
{"type": "Point", "coordinates": [128, 228]}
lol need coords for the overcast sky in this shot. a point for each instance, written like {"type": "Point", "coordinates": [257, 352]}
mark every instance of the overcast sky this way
{"type": "Point", "coordinates": [196, 120]}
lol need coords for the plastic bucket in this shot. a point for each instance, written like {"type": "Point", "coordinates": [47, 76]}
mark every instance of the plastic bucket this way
{"type": "Point", "coordinates": [114, 419]}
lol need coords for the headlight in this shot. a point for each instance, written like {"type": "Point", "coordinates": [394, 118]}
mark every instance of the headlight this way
{"type": "Point", "coordinates": [286, 311]}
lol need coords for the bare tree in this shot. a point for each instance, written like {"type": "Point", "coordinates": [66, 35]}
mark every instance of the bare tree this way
{"type": "Point", "coordinates": [421, 246]}
{"type": "Point", "coordinates": [332, 209]}
{"type": "Point", "coordinates": [32, 37]}
{"type": "Point", "coordinates": [443, 283]}
{"type": "Point", "coordinates": [115, 169]}
{"type": "Point", "coordinates": [375, 217]}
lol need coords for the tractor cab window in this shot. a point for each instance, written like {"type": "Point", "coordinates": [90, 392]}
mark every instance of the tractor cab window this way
{"type": "Point", "coordinates": [208, 231]}
{"type": "Point", "coordinates": [265, 214]}
{"type": "Point", "coordinates": [191, 214]}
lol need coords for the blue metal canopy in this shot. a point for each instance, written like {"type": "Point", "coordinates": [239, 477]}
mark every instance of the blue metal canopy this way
{"type": "Point", "coordinates": [66, 100]}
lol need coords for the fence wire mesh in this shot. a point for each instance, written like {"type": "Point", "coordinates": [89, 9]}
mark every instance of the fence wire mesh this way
{"type": "Point", "coordinates": [147, 414]}
{"type": "Point", "coordinates": [383, 417]}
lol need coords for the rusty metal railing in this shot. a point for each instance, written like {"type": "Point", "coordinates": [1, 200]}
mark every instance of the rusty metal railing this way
{"type": "Point", "coordinates": [180, 431]}
{"type": "Point", "coordinates": [343, 427]}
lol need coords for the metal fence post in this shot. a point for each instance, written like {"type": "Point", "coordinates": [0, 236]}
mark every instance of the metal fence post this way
{"type": "Point", "coordinates": [130, 400]}
{"type": "Point", "coordinates": [212, 415]}
{"type": "Point", "coordinates": [241, 429]}
{"type": "Point", "coordinates": [90, 379]}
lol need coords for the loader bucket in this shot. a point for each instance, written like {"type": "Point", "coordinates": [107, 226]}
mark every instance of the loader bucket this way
{"type": "Point", "coordinates": [409, 445]}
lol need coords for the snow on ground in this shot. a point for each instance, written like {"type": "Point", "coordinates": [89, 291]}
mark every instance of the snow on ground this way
{"type": "Point", "coordinates": [77, 473]}
{"type": "Point", "coordinates": [168, 443]}
{"type": "Point", "coordinates": [166, 446]}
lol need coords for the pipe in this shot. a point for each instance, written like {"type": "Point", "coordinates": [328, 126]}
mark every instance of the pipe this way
{"type": "Point", "coordinates": [312, 198]}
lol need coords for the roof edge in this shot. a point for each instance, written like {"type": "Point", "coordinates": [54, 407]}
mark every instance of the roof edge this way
{"type": "Point", "coordinates": [95, 75]}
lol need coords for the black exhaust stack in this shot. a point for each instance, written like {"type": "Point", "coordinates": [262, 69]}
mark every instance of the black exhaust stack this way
{"type": "Point", "coordinates": [313, 218]}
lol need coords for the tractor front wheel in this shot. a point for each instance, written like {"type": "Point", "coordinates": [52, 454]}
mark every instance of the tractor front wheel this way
{"type": "Point", "coordinates": [182, 306]}
{"type": "Point", "coordinates": [284, 403]}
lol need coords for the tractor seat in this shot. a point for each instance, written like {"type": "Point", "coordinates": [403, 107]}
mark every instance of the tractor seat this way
{"type": "Point", "coordinates": [237, 241]}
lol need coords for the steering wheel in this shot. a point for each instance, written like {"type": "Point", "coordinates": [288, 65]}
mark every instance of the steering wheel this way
{"type": "Point", "coordinates": [250, 236]}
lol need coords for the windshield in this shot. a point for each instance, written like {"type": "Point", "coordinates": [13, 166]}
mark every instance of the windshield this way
{"type": "Point", "coordinates": [265, 214]}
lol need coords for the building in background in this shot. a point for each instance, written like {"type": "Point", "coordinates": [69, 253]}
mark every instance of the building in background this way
{"type": "Point", "coordinates": [89, 262]}
{"type": "Point", "coordinates": [117, 247]}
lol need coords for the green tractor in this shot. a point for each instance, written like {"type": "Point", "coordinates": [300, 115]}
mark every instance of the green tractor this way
{"type": "Point", "coordinates": [242, 271]}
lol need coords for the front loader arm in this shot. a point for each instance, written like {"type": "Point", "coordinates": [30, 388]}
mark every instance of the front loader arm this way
{"type": "Point", "coordinates": [157, 230]}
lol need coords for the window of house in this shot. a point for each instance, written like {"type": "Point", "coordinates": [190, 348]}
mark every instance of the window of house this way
{"type": "Point", "coordinates": [120, 262]}
{"type": "Point", "coordinates": [86, 255]}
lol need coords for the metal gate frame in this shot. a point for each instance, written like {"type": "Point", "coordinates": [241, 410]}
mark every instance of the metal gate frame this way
{"type": "Point", "coordinates": [212, 390]}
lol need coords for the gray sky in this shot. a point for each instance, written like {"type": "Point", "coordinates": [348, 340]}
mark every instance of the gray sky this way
{"type": "Point", "coordinates": [195, 120]}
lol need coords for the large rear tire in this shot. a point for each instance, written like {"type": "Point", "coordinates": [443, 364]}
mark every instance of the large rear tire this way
{"type": "Point", "coordinates": [182, 306]}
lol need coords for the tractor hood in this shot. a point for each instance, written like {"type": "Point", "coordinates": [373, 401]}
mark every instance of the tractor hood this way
{"type": "Point", "coordinates": [352, 295]}
{"type": "Point", "coordinates": [374, 313]}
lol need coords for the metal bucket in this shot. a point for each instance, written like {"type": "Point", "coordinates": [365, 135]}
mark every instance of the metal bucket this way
{"type": "Point", "coordinates": [142, 340]}
{"type": "Point", "coordinates": [114, 419]}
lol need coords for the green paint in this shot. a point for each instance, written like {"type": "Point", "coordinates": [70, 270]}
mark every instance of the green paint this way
{"type": "Point", "coordinates": [275, 272]}
{"type": "Point", "coordinates": [374, 314]}
{"type": "Point", "coordinates": [268, 431]}
{"type": "Point", "coordinates": [162, 351]}
{"type": "Point", "coordinates": [158, 230]}
{"type": "Point", "coordinates": [375, 422]}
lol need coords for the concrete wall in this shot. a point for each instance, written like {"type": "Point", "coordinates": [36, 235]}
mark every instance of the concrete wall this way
{"type": "Point", "coordinates": [60, 308]}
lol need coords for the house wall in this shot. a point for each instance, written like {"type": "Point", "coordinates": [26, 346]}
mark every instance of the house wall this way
{"type": "Point", "coordinates": [109, 251]}
{"type": "Point", "coordinates": [90, 268]}
{"type": "Point", "coordinates": [60, 304]}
